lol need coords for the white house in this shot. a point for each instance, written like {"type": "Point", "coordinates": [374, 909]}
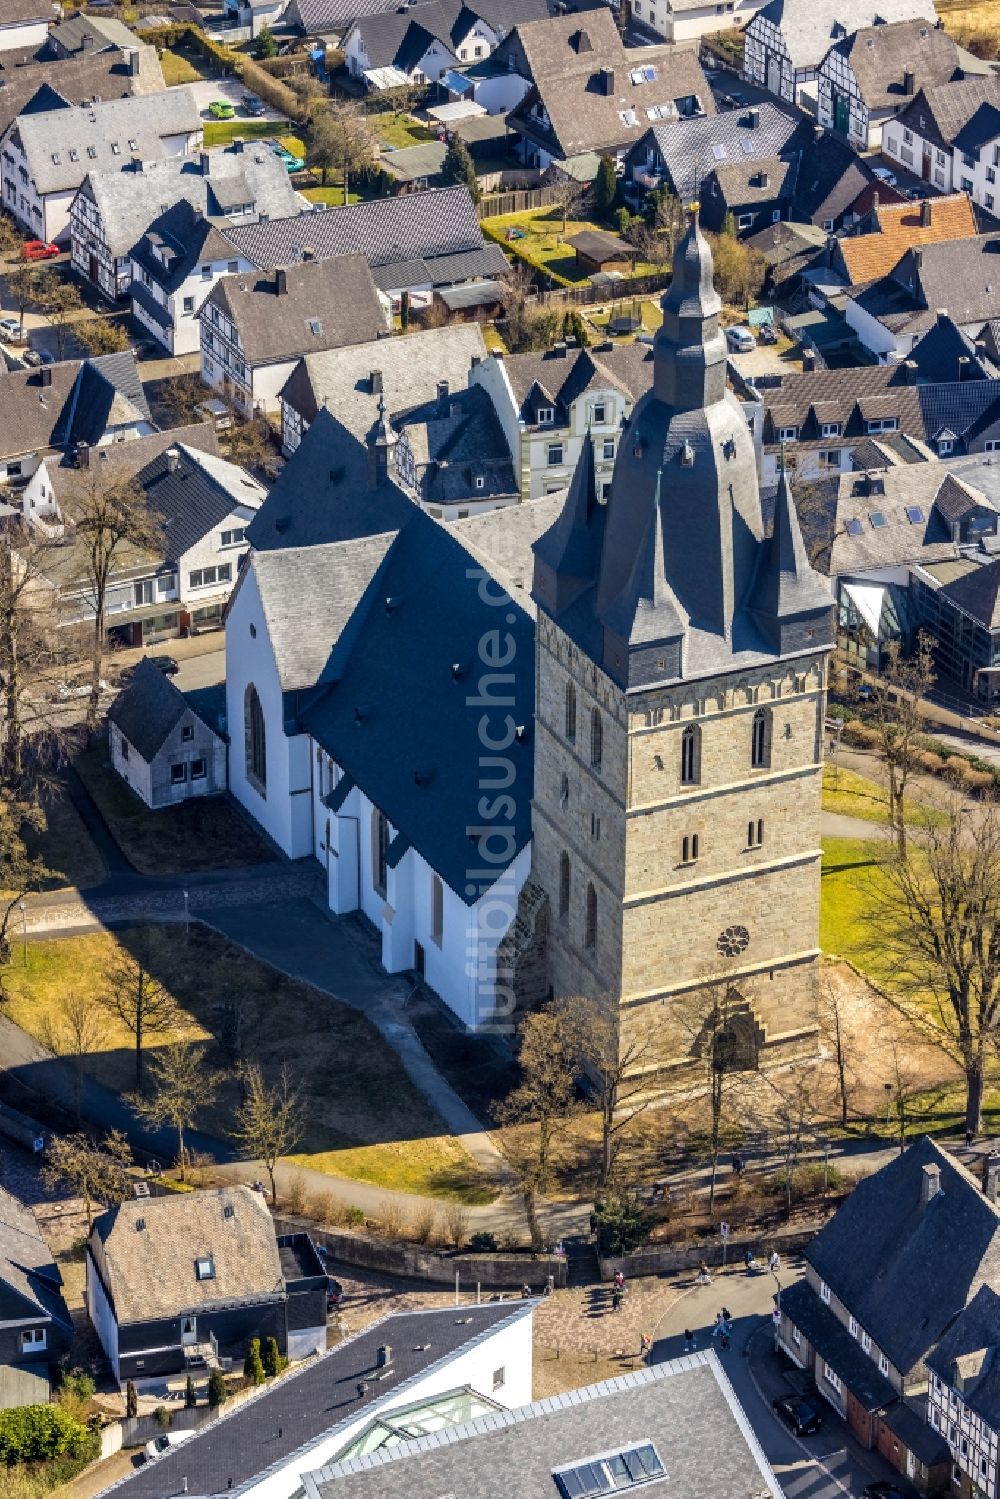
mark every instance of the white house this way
{"type": "Point", "coordinates": [45, 157]}
{"type": "Point", "coordinates": [866, 79]}
{"type": "Point", "coordinates": [172, 270]}
{"type": "Point", "coordinates": [949, 135]}
{"type": "Point", "coordinates": [162, 747]}
{"type": "Point", "coordinates": [420, 43]}
{"type": "Point", "coordinates": [25, 23]}
{"type": "Point", "coordinates": [58, 407]}
{"type": "Point", "coordinates": [689, 20]}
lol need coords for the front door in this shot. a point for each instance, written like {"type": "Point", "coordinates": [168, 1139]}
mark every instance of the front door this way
{"type": "Point", "coordinates": [841, 113]}
{"type": "Point", "coordinates": [189, 1331]}
{"type": "Point", "coordinates": [774, 75]}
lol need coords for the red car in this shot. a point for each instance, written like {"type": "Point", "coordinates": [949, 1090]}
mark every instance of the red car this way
{"type": "Point", "coordinates": [37, 249]}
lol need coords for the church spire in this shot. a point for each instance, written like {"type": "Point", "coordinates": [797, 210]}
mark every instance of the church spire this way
{"type": "Point", "coordinates": [786, 587]}
{"type": "Point", "coordinates": [689, 355]}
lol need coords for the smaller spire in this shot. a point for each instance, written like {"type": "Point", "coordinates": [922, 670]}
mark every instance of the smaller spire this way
{"type": "Point", "coordinates": [787, 584]}
{"type": "Point", "coordinates": [647, 609]}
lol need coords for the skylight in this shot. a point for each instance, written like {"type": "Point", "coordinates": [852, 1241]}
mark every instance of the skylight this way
{"type": "Point", "coordinates": [204, 1268]}
{"type": "Point", "coordinates": [719, 151]}
{"type": "Point", "coordinates": [914, 514]}
{"type": "Point", "coordinates": [877, 520]}
{"type": "Point", "coordinates": [611, 1474]}
{"type": "Point", "coordinates": [854, 528]}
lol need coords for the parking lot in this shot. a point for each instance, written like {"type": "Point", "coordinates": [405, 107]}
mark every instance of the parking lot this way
{"type": "Point", "coordinates": [207, 90]}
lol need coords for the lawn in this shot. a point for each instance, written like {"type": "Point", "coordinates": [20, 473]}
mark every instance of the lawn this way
{"type": "Point", "coordinates": [397, 131]}
{"type": "Point", "coordinates": [179, 69]}
{"type": "Point", "coordinates": [224, 132]}
{"type": "Point", "coordinates": [648, 308]}
{"type": "Point", "coordinates": [854, 795]}
{"type": "Point", "coordinates": [365, 1119]}
{"type": "Point", "coordinates": [333, 195]}
{"type": "Point", "coordinates": [207, 833]}
{"type": "Point", "coordinates": [66, 847]}
{"type": "Point", "coordinates": [544, 240]}
{"type": "Point", "coordinates": [850, 867]}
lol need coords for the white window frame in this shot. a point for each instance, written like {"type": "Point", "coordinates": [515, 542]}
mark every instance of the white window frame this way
{"type": "Point", "coordinates": [545, 416]}
{"type": "Point", "coordinates": [833, 1378]}
{"type": "Point", "coordinates": [824, 1292]}
{"type": "Point", "coordinates": [883, 1364]}
{"type": "Point", "coordinates": [33, 1340]}
{"type": "Point", "coordinates": [852, 1326]}
{"type": "Point", "coordinates": [788, 434]}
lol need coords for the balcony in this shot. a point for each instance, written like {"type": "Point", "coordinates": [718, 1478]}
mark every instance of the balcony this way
{"type": "Point", "coordinates": [647, 177]}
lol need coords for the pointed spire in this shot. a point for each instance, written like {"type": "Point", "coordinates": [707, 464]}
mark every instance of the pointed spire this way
{"type": "Point", "coordinates": [689, 357]}
{"type": "Point", "coordinates": [647, 609]}
{"type": "Point", "coordinates": [570, 549]}
{"type": "Point", "coordinates": [787, 584]}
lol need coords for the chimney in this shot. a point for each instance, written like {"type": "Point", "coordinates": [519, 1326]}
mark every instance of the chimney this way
{"type": "Point", "coordinates": [909, 81]}
{"type": "Point", "coordinates": [477, 358]}
{"type": "Point", "coordinates": [87, 42]}
{"type": "Point", "coordinates": [762, 179]}
{"type": "Point", "coordinates": [991, 1176]}
{"type": "Point", "coordinates": [281, 282]}
{"type": "Point", "coordinates": [607, 78]}
{"type": "Point", "coordinates": [205, 158]}
{"type": "Point", "coordinates": [83, 455]}
{"type": "Point", "coordinates": [384, 1356]}
{"type": "Point", "coordinates": [925, 214]}
{"type": "Point", "coordinates": [910, 371]}
{"type": "Point", "coordinates": [964, 366]}
{"type": "Point", "coordinates": [930, 1184]}
{"type": "Point", "coordinates": [753, 119]}
{"type": "Point", "coordinates": [308, 252]}
{"type": "Point", "coordinates": [443, 394]}
{"type": "Point", "coordinates": [375, 382]}
{"type": "Point", "coordinates": [133, 63]}
{"type": "Point", "coordinates": [875, 199]}
{"type": "Point", "coordinates": [559, 349]}
{"type": "Point", "coordinates": [173, 461]}
{"type": "Point", "coordinates": [918, 257]}
{"type": "Point", "coordinates": [583, 42]}
{"type": "Point", "coordinates": [45, 375]}
{"type": "Point", "coordinates": [808, 361]}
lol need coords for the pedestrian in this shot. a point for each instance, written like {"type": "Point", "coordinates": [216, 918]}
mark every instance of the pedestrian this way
{"type": "Point", "coordinates": [619, 1281]}
{"type": "Point", "coordinates": [525, 1292]}
{"type": "Point", "coordinates": [970, 1135]}
{"type": "Point", "coordinates": [724, 1337]}
{"type": "Point", "coordinates": [688, 1340]}
{"type": "Point", "coordinates": [774, 1263]}
{"type": "Point", "coordinates": [727, 1315]}
{"type": "Point", "coordinates": [616, 1300]}
{"type": "Point", "coordinates": [645, 1345]}
{"type": "Point", "coordinates": [748, 1261]}
{"type": "Point", "coordinates": [704, 1278]}
{"type": "Point", "coordinates": [737, 1163]}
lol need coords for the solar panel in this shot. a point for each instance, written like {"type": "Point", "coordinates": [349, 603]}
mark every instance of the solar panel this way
{"type": "Point", "coordinates": [649, 74]}
{"type": "Point", "coordinates": [877, 519]}
{"type": "Point", "coordinates": [914, 514]}
{"type": "Point", "coordinates": [854, 528]}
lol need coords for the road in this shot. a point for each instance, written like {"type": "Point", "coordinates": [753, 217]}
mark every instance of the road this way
{"type": "Point", "coordinates": [828, 1465]}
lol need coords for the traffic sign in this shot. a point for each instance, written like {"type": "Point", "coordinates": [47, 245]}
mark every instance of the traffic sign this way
{"type": "Point", "coordinates": [724, 1230]}
{"type": "Point", "coordinates": [776, 1316]}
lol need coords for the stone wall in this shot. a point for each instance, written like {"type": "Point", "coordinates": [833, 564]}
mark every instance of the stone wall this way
{"type": "Point", "coordinates": [671, 1258]}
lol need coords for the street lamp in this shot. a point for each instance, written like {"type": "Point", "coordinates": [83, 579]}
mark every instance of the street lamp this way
{"type": "Point", "coordinates": [24, 931]}
{"type": "Point", "coordinates": [888, 1104]}
{"type": "Point", "coordinates": [187, 928]}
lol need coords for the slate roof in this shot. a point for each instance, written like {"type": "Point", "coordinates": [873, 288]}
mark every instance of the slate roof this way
{"type": "Point", "coordinates": [459, 449]}
{"type": "Point", "coordinates": [915, 1434]}
{"type": "Point", "coordinates": [108, 391]}
{"type": "Point", "coordinates": [686, 1408]}
{"type": "Point", "coordinates": [830, 178]}
{"type": "Point", "coordinates": [148, 709]}
{"type": "Point", "coordinates": [556, 380]}
{"type": "Point", "coordinates": [118, 459]}
{"type": "Point", "coordinates": [807, 401]}
{"type": "Point", "coordinates": [150, 1270]}
{"type": "Point", "coordinates": [104, 31]}
{"type": "Point", "coordinates": [74, 81]}
{"type": "Point", "coordinates": [965, 114]}
{"type": "Point", "coordinates": [332, 17]}
{"type": "Point", "coordinates": [29, 1277]}
{"type": "Point", "coordinates": [288, 1416]}
{"type": "Point", "coordinates": [193, 491]}
{"type": "Point", "coordinates": [582, 117]}
{"type": "Point", "coordinates": [978, 594]}
{"type": "Point", "coordinates": [16, 11]}
{"type": "Point", "coordinates": [972, 1343]}
{"type": "Point", "coordinates": [834, 1343]}
{"type": "Point", "coordinates": [565, 44]}
{"type": "Point", "coordinates": [866, 257]}
{"type": "Point", "coordinates": [399, 38]}
{"type": "Point", "coordinates": [73, 407]}
{"type": "Point", "coordinates": [960, 406]}
{"type": "Point", "coordinates": [441, 221]}
{"type": "Point", "coordinates": [767, 181]}
{"type": "Point", "coordinates": [879, 56]}
{"type": "Point", "coordinates": [189, 239]}
{"type": "Point", "coordinates": [808, 30]}
{"type": "Point", "coordinates": [410, 368]}
{"type": "Point", "coordinates": [904, 1269]}
{"type": "Point", "coordinates": [327, 303]}
{"type": "Point", "coordinates": [961, 276]}
{"type": "Point", "coordinates": [61, 148]}
{"type": "Point", "coordinates": [692, 149]}
{"type": "Point", "coordinates": [939, 353]}
{"type": "Point", "coordinates": [130, 201]}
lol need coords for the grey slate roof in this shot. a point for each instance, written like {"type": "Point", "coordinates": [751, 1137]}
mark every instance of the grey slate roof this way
{"type": "Point", "coordinates": [194, 491]}
{"type": "Point", "coordinates": [686, 1408]}
{"type": "Point", "coordinates": [557, 378]}
{"type": "Point", "coordinates": [413, 226]}
{"type": "Point", "coordinates": [903, 1269]}
{"type": "Point", "coordinates": [399, 38]}
{"type": "Point", "coordinates": [332, 17]}
{"type": "Point", "coordinates": [938, 353]}
{"type": "Point", "coordinates": [72, 407]}
{"type": "Point", "coordinates": [325, 304]}
{"type": "Point", "coordinates": [459, 449]}
{"type": "Point", "coordinates": [691, 149]}
{"type": "Point", "coordinates": [959, 275]}
{"type": "Point", "coordinates": [834, 1343]}
{"type": "Point", "coordinates": [965, 114]}
{"type": "Point", "coordinates": [971, 1348]}
{"type": "Point", "coordinates": [310, 1402]}
{"type": "Point", "coordinates": [808, 30]}
{"type": "Point", "coordinates": [74, 81]}
{"type": "Point", "coordinates": [880, 55]}
{"type": "Point", "coordinates": [148, 709]}
{"type": "Point", "coordinates": [61, 147]}
{"type": "Point", "coordinates": [978, 594]}
{"type": "Point", "coordinates": [925, 487]}
{"type": "Point", "coordinates": [129, 201]}
{"type": "Point", "coordinates": [27, 10]}
{"type": "Point", "coordinates": [102, 384]}
{"type": "Point", "coordinates": [30, 1280]}
{"type": "Point", "coordinates": [104, 31]}
{"type": "Point", "coordinates": [69, 480]}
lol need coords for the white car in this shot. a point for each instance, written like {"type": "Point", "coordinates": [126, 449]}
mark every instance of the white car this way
{"type": "Point", "coordinates": [162, 1444]}
{"type": "Point", "coordinates": [884, 175]}
{"type": "Point", "coordinates": [740, 340]}
{"type": "Point", "coordinates": [10, 329]}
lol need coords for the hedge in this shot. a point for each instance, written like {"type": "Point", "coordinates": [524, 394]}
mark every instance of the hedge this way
{"type": "Point", "coordinates": [172, 36]}
{"type": "Point", "coordinates": [35, 1433]}
{"type": "Point", "coordinates": [514, 247]}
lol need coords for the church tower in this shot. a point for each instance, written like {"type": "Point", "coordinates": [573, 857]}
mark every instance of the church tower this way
{"type": "Point", "coordinates": [681, 672]}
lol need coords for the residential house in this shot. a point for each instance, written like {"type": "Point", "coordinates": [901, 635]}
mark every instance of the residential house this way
{"type": "Point", "coordinates": [551, 405]}
{"type": "Point", "coordinates": [349, 381]}
{"type": "Point", "coordinates": [114, 209]}
{"type": "Point", "coordinates": [57, 407]}
{"type": "Point", "coordinates": [536, 51]}
{"type": "Point", "coordinates": [600, 96]}
{"type": "Point", "coordinates": [413, 243]}
{"type": "Point", "coordinates": [39, 84]}
{"type": "Point", "coordinates": [885, 1279]}
{"type": "Point", "coordinates": [198, 1275]}
{"type": "Point", "coordinates": [888, 230]}
{"type": "Point", "coordinates": [957, 276]}
{"type": "Point", "coordinates": [174, 266]}
{"type": "Point", "coordinates": [329, 21]}
{"type": "Point", "coordinates": [950, 136]}
{"type": "Point", "coordinates": [421, 1371]}
{"type": "Point", "coordinates": [785, 42]}
{"type": "Point", "coordinates": [25, 23]}
{"type": "Point", "coordinates": [944, 354]}
{"type": "Point", "coordinates": [160, 745]}
{"type": "Point", "coordinates": [255, 327]}
{"type": "Point", "coordinates": [87, 31]}
{"type": "Point", "coordinates": [389, 831]}
{"type": "Point", "coordinates": [964, 1396]}
{"type": "Point", "coordinates": [689, 20]}
{"type": "Point", "coordinates": [204, 506]}
{"type": "Point", "coordinates": [45, 157]}
{"type": "Point", "coordinates": [35, 1326]}
{"type": "Point", "coordinates": [869, 77]}
{"type": "Point", "coordinates": [678, 1424]}
{"type": "Point", "coordinates": [420, 43]}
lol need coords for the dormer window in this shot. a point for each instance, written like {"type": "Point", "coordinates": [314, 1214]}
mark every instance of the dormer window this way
{"type": "Point", "coordinates": [545, 416]}
{"type": "Point", "coordinates": [204, 1267]}
{"type": "Point", "coordinates": [788, 434]}
{"type": "Point", "coordinates": [830, 429]}
{"type": "Point", "coordinates": [600, 414]}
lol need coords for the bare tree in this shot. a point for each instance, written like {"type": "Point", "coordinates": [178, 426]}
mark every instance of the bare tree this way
{"type": "Point", "coordinates": [101, 335]}
{"type": "Point", "coordinates": [139, 1001]}
{"type": "Point", "coordinates": [793, 1111]}
{"type": "Point", "coordinates": [897, 713]}
{"type": "Point", "coordinates": [618, 1064]}
{"type": "Point", "coordinates": [341, 142]}
{"type": "Point", "coordinates": [717, 1019]}
{"type": "Point", "coordinates": [270, 1121]}
{"type": "Point", "coordinates": [568, 198]}
{"type": "Point", "coordinates": [832, 1019]}
{"type": "Point", "coordinates": [111, 520]}
{"type": "Point", "coordinates": [933, 923]}
{"type": "Point", "coordinates": [93, 1172]}
{"type": "Point", "coordinates": [904, 1085]}
{"type": "Point", "coordinates": [74, 1031]}
{"type": "Point", "coordinates": [516, 289]}
{"type": "Point", "coordinates": [182, 1084]}
{"type": "Point", "coordinates": [21, 872]}
{"type": "Point", "coordinates": [60, 303]}
{"type": "Point", "coordinates": [23, 282]}
{"type": "Point", "coordinates": [540, 1104]}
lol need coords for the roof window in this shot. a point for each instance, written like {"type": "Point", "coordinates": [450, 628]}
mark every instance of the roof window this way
{"type": "Point", "coordinates": [613, 1473]}
{"type": "Point", "coordinates": [876, 519]}
{"type": "Point", "coordinates": [204, 1267]}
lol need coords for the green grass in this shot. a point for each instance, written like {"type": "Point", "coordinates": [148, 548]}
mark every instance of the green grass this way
{"type": "Point", "coordinates": [334, 195]}
{"type": "Point", "coordinates": [854, 795]}
{"type": "Point", "coordinates": [545, 241]}
{"type": "Point", "coordinates": [224, 132]}
{"type": "Point", "coordinates": [365, 1119]}
{"type": "Point", "coordinates": [178, 69]}
{"type": "Point", "coordinates": [397, 131]}
{"type": "Point", "coordinates": [850, 869]}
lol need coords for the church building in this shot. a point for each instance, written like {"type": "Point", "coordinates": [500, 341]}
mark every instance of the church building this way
{"type": "Point", "coordinates": [575, 739]}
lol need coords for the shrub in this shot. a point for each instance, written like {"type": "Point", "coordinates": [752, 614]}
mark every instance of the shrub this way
{"type": "Point", "coordinates": [253, 1364]}
{"type": "Point", "coordinates": [622, 1224]}
{"type": "Point", "coordinates": [190, 1398]}
{"type": "Point", "coordinates": [295, 1195]}
{"type": "Point", "coordinates": [272, 1359]}
{"type": "Point", "coordinates": [356, 1217]}
{"type": "Point", "coordinates": [36, 1433]}
{"type": "Point", "coordinates": [483, 1242]}
{"type": "Point", "coordinates": [392, 1220]}
{"type": "Point", "coordinates": [163, 1416]}
{"type": "Point", "coordinates": [217, 1392]}
{"type": "Point", "coordinates": [456, 1222]}
{"type": "Point", "coordinates": [131, 1400]}
{"type": "Point", "coordinates": [425, 1225]}
{"type": "Point", "coordinates": [271, 90]}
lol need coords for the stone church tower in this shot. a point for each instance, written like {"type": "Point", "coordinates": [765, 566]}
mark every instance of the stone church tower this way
{"type": "Point", "coordinates": [681, 665]}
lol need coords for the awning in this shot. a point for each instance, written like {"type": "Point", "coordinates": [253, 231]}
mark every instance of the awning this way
{"type": "Point", "coordinates": [868, 599]}
{"type": "Point", "coordinates": [381, 78]}
{"type": "Point", "coordinates": [457, 83]}
{"type": "Point", "coordinates": [461, 109]}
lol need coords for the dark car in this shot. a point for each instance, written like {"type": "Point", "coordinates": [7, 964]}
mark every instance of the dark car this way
{"type": "Point", "coordinates": [887, 1490]}
{"type": "Point", "coordinates": [334, 1294]}
{"type": "Point", "coordinates": [166, 664]}
{"type": "Point", "coordinates": [798, 1414]}
{"type": "Point", "coordinates": [767, 334]}
{"type": "Point", "coordinates": [740, 101]}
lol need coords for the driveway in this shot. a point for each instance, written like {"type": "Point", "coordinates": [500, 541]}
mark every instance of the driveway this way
{"type": "Point", "coordinates": [208, 89]}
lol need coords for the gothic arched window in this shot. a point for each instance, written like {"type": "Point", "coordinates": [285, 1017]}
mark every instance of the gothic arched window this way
{"type": "Point", "coordinates": [691, 755]}
{"type": "Point", "coordinates": [563, 883]}
{"type": "Point", "coordinates": [760, 743]}
{"type": "Point", "coordinates": [255, 739]}
{"type": "Point", "coordinates": [596, 740]}
{"type": "Point", "coordinates": [380, 848]}
{"type": "Point", "coordinates": [570, 712]}
{"type": "Point", "coordinates": [590, 935]}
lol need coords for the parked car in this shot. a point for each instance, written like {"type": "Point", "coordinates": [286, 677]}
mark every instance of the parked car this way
{"type": "Point", "coordinates": [254, 106]}
{"type": "Point", "coordinates": [767, 333]}
{"type": "Point", "coordinates": [884, 175]}
{"type": "Point", "coordinates": [161, 1444]}
{"type": "Point", "coordinates": [38, 249]}
{"type": "Point", "coordinates": [798, 1414]}
{"type": "Point", "coordinates": [334, 1294]}
{"type": "Point", "coordinates": [221, 109]}
{"type": "Point", "coordinates": [66, 691]}
{"type": "Point", "coordinates": [740, 340]}
{"type": "Point", "coordinates": [10, 329]}
{"type": "Point", "coordinates": [292, 163]}
{"type": "Point", "coordinates": [166, 664]}
{"type": "Point", "coordinates": [32, 358]}
{"type": "Point", "coordinates": [740, 101]}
